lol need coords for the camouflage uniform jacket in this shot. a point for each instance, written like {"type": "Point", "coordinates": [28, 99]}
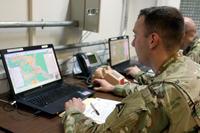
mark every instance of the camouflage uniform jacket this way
{"type": "Point", "coordinates": [193, 50]}
{"type": "Point", "coordinates": [154, 108]}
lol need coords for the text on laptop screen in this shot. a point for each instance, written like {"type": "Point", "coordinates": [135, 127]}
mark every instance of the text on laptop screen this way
{"type": "Point", "coordinates": [119, 51]}
{"type": "Point", "coordinates": [33, 68]}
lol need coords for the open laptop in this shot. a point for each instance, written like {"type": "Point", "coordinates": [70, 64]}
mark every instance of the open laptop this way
{"type": "Point", "coordinates": [119, 53]}
{"type": "Point", "coordinates": [35, 79]}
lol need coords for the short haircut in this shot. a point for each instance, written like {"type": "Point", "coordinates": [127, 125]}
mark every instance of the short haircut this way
{"type": "Point", "coordinates": [166, 21]}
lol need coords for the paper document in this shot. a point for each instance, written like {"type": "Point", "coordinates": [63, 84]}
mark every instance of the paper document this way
{"type": "Point", "coordinates": [103, 106]}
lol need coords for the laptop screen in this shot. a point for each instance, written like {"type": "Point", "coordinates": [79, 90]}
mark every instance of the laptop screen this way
{"type": "Point", "coordinates": [119, 50]}
{"type": "Point", "coordinates": [31, 68]}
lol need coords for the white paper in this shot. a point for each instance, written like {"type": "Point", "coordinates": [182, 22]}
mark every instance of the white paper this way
{"type": "Point", "coordinates": [103, 106]}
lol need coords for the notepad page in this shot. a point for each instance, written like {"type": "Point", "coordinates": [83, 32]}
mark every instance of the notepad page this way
{"type": "Point", "coordinates": [102, 107]}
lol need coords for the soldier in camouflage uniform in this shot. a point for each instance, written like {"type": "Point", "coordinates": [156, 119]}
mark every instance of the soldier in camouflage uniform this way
{"type": "Point", "coordinates": [170, 103]}
{"type": "Point", "coordinates": [190, 46]}
{"type": "Point", "coordinates": [191, 42]}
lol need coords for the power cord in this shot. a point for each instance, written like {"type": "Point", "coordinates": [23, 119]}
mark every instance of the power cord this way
{"type": "Point", "coordinates": [9, 105]}
{"type": "Point", "coordinates": [8, 102]}
{"type": "Point", "coordinates": [12, 106]}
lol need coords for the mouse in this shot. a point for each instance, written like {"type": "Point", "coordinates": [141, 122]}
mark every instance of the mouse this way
{"type": "Point", "coordinates": [94, 84]}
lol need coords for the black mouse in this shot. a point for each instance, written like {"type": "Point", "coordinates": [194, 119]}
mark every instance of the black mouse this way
{"type": "Point", "coordinates": [94, 84]}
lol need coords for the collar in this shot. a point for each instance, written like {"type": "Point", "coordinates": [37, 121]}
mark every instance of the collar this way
{"type": "Point", "coordinates": [169, 61]}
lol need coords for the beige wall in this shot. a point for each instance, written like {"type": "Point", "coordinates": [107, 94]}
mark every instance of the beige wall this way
{"type": "Point", "coordinates": [57, 10]}
{"type": "Point", "coordinates": [53, 10]}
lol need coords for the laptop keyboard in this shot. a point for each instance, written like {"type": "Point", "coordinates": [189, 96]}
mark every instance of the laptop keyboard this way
{"type": "Point", "coordinates": [52, 96]}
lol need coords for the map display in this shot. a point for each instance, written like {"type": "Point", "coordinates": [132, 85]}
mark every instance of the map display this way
{"type": "Point", "coordinates": [119, 51]}
{"type": "Point", "coordinates": [30, 69]}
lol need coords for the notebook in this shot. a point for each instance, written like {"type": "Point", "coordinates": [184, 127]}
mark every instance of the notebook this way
{"type": "Point", "coordinates": [119, 53]}
{"type": "Point", "coordinates": [35, 79]}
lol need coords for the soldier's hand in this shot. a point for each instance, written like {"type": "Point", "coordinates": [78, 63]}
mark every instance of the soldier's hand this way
{"type": "Point", "coordinates": [75, 103]}
{"type": "Point", "coordinates": [103, 85]}
{"type": "Point", "coordinates": [132, 70]}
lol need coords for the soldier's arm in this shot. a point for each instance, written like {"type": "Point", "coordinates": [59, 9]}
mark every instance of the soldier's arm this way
{"type": "Point", "coordinates": [119, 90]}
{"type": "Point", "coordinates": [127, 89]}
{"type": "Point", "coordinates": [75, 121]}
{"type": "Point", "coordinates": [142, 78]}
{"type": "Point", "coordinates": [124, 118]}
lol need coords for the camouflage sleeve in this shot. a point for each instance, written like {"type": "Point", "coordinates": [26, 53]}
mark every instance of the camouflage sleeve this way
{"type": "Point", "coordinates": [124, 118]}
{"type": "Point", "coordinates": [127, 89]}
{"type": "Point", "coordinates": [75, 121]}
{"type": "Point", "coordinates": [142, 78]}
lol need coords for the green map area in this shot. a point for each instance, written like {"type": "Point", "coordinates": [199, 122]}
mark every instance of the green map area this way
{"type": "Point", "coordinates": [31, 67]}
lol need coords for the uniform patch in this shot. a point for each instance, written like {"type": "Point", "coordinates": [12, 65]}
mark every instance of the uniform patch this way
{"type": "Point", "coordinates": [120, 107]}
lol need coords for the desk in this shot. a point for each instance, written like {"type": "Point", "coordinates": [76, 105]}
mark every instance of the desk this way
{"type": "Point", "coordinates": [23, 121]}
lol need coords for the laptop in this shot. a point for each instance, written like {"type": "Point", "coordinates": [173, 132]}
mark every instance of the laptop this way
{"type": "Point", "coordinates": [119, 53]}
{"type": "Point", "coordinates": [35, 79]}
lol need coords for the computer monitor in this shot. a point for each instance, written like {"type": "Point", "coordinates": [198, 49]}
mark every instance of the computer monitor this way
{"type": "Point", "coordinates": [33, 67]}
{"type": "Point", "coordinates": [119, 50]}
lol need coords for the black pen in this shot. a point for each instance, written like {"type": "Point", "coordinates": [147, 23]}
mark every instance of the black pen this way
{"type": "Point", "coordinates": [96, 111]}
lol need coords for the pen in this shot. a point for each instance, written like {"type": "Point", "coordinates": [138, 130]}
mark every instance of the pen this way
{"type": "Point", "coordinates": [96, 111]}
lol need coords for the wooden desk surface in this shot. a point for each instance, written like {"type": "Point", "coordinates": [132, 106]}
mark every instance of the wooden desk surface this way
{"type": "Point", "coordinates": [23, 121]}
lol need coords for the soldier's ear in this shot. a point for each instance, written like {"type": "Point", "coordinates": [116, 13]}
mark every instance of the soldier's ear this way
{"type": "Point", "coordinates": [154, 40]}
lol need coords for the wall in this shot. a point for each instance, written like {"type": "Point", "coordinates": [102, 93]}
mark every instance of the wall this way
{"type": "Point", "coordinates": [59, 10]}
{"type": "Point", "coordinates": [10, 12]}
{"type": "Point", "coordinates": [134, 8]}
{"type": "Point", "coordinates": [174, 3]}
{"type": "Point", "coordinates": [51, 10]}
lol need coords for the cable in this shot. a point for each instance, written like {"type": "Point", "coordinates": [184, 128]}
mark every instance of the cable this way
{"type": "Point", "coordinates": [4, 101]}
{"type": "Point", "coordinates": [7, 102]}
{"type": "Point", "coordinates": [89, 80]}
{"type": "Point", "coordinates": [8, 106]}
{"type": "Point", "coordinates": [12, 106]}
